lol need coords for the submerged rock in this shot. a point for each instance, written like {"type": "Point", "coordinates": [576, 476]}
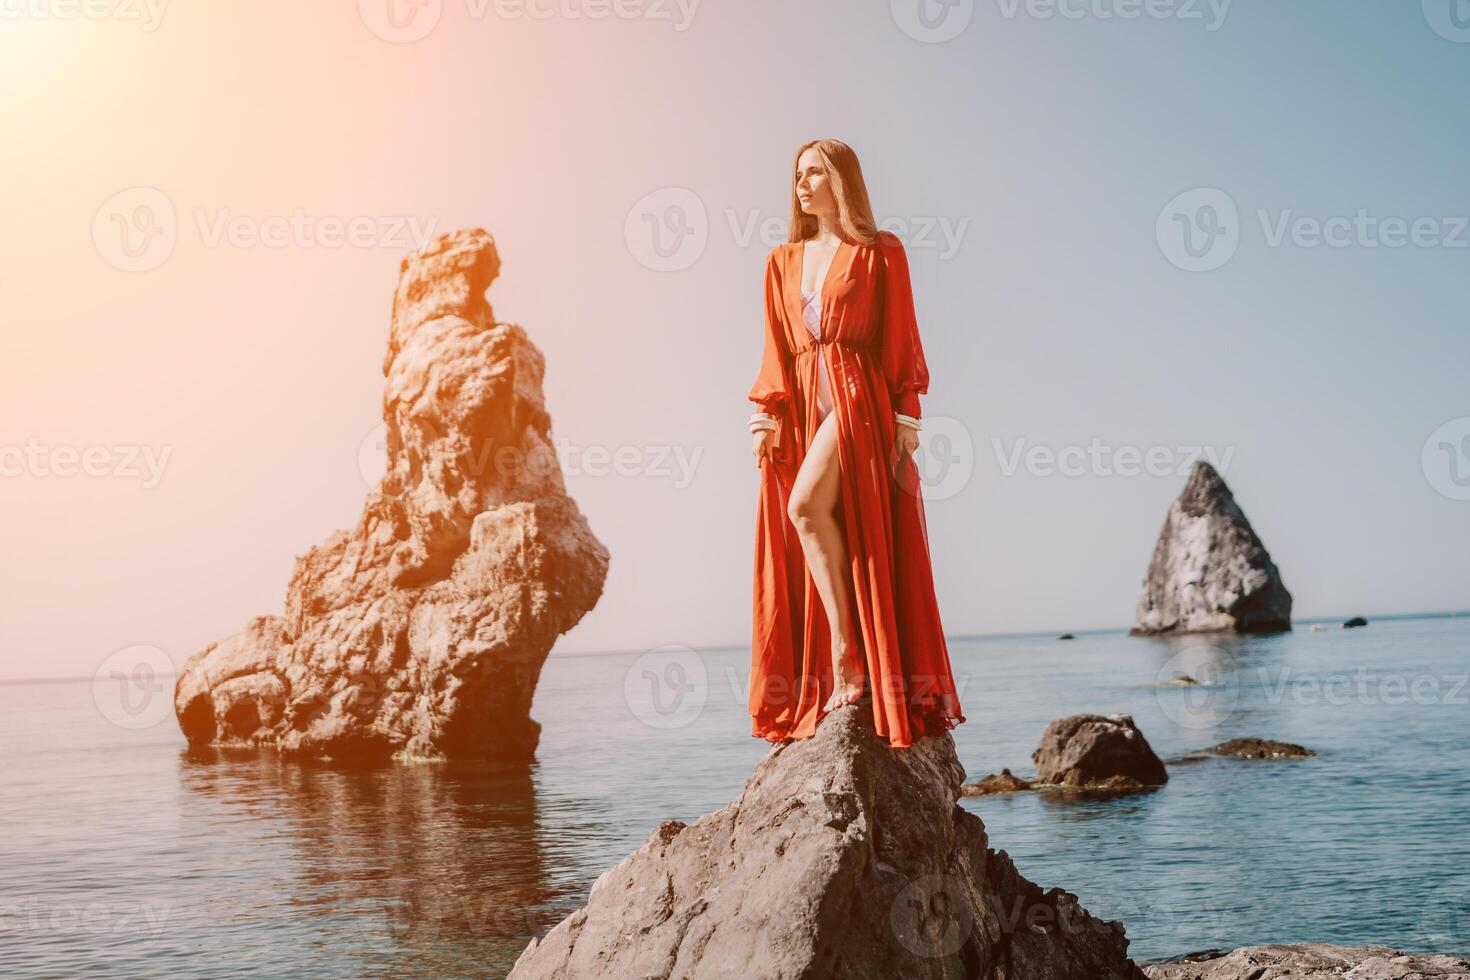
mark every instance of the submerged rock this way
{"type": "Point", "coordinates": [1260, 748]}
{"type": "Point", "coordinates": [421, 631]}
{"type": "Point", "coordinates": [1003, 782]}
{"type": "Point", "coordinates": [1310, 961]}
{"type": "Point", "coordinates": [1209, 571]}
{"type": "Point", "coordinates": [1092, 751]}
{"type": "Point", "coordinates": [841, 859]}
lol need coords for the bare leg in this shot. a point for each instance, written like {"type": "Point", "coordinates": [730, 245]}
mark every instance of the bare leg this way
{"type": "Point", "coordinates": [813, 512]}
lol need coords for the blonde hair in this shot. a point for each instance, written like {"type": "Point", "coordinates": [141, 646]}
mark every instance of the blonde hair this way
{"type": "Point", "coordinates": [854, 213]}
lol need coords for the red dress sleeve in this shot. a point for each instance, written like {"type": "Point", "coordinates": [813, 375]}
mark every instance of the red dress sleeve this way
{"type": "Point", "coordinates": [902, 354]}
{"type": "Point", "coordinates": [770, 390]}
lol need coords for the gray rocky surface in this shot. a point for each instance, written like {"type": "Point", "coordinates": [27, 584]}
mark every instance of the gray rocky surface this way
{"type": "Point", "coordinates": [842, 859]}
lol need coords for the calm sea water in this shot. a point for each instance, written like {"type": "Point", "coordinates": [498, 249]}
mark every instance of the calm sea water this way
{"type": "Point", "coordinates": [124, 855]}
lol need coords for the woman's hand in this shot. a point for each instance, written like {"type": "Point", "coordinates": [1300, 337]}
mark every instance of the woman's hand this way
{"type": "Point", "coordinates": [905, 440]}
{"type": "Point", "coordinates": [762, 444]}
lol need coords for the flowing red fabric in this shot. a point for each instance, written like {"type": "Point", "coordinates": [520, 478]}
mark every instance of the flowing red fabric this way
{"type": "Point", "coordinates": [875, 366]}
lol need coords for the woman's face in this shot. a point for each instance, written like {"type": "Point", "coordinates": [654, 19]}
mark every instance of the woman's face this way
{"type": "Point", "coordinates": [813, 188]}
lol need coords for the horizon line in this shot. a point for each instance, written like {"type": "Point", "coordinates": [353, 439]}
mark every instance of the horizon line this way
{"type": "Point", "coordinates": [1305, 620]}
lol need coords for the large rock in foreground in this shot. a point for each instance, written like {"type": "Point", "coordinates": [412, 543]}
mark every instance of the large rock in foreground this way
{"type": "Point", "coordinates": [843, 859]}
{"type": "Point", "coordinates": [1094, 751]}
{"type": "Point", "coordinates": [1314, 961]}
{"type": "Point", "coordinates": [422, 630]}
{"type": "Point", "coordinates": [1209, 571]}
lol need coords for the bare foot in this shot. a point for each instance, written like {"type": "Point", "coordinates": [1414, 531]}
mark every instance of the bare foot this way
{"type": "Point", "coordinates": [849, 681]}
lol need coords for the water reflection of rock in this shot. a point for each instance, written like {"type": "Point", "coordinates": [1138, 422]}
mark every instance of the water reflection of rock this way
{"type": "Point", "coordinates": [438, 865]}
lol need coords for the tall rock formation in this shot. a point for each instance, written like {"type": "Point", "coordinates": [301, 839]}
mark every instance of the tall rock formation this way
{"type": "Point", "coordinates": [842, 859]}
{"type": "Point", "coordinates": [421, 631]}
{"type": "Point", "coordinates": [1209, 570]}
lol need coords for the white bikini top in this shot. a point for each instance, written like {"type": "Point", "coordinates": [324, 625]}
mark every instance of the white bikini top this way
{"type": "Point", "coordinates": [812, 312]}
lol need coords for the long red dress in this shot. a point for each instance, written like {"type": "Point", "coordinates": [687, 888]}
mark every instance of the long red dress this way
{"type": "Point", "coordinates": [875, 366]}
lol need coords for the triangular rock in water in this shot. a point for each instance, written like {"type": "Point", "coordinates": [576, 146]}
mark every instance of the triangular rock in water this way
{"type": "Point", "coordinates": [1209, 571]}
{"type": "Point", "coordinates": [841, 859]}
{"type": "Point", "coordinates": [422, 630]}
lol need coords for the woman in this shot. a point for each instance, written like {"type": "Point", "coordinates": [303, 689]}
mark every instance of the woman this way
{"type": "Point", "coordinates": [844, 592]}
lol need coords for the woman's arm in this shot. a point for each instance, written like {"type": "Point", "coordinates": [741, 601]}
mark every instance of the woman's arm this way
{"type": "Point", "coordinates": [902, 354]}
{"type": "Point", "coordinates": [770, 392]}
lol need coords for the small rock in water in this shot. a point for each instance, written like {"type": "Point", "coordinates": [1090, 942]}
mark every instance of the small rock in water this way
{"type": "Point", "coordinates": [1092, 751]}
{"type": "Point", "coordinates": [1260, 748]}
{"type": "Point", "coordinates": [1003, 782]}
{"type": "Point", "coordinates": [1310, 961]}
{"type": "Point", "coordinates": [1355, 622]}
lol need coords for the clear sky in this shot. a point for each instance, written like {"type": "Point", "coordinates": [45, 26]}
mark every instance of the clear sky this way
{"type": "Point", "coordinates": [1109, 207]}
